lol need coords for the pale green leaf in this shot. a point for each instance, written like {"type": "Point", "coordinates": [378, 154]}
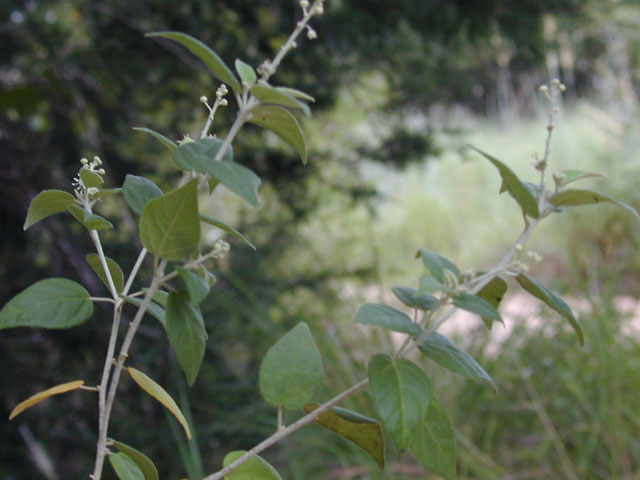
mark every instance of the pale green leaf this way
{"type": "Point", "coordinates": [514, 185]}
{"type": "Point", "coordinates": [246, 72]}
{"type": "Point", "coordinates": [89, 220]}
{"type": "Point", "coordinates": [437, 264]}
{"type": "Point", "coordinates": [138, 191]}
{"type": "Point", "coordinates": [47, 203]}
{"type": "Point", "coordinates": [186, 332]}
{"type": "Point", "coordinates": [125, 467]}
{"type": "Point", "coordinates": [447, 354]}
{"type": "Point", "coordinates": [554, 301]}
{"type": "Point", "coordinates": [210, 58]}
{"type": "Point", "coordinates": [114, 269]}
{"type": "Point", "coordinates": [292, 373]}
{"type": "Point", "coordinates": [429, 285]}
{"type": "Point", "coordinates": [296, 93]}
{"type": "Point", "coordinates": [364, 432]}
{"type": "Point", "coordinates": [199, 154]}
{"type": "Point", "coordinates": [164, 141]}
{"type": "Point", "coordinates": [53, 303]}
{"type": "Point", "coordinates": [281, 122]}
{"type": "Point", "coordinates": [401, 391]}
{"type": "Point", "coordinates": [256, 468]}
{"type": "Point", "coordinates": [197, 285]}
{"type": "Point", "coordinates": [568, 176]}
{"type": "Point", "coordinates": [386, 317]}
{"type": "Point", "coordinates": [476, 304]}
{"type": "Point", "coordinates": [226, 228]}
{"type": "Point", "coordinates": [412, 299]}
{"type": "Point", "coordinates": [90, 178]}
{"type": "Point", "coordinates": [169, 225]}
{"type": "Point", "coordinates": [573, 197]}
{"type": "Point", "coordinates": [153, 309]}
{"type": "Point", "coordinates": [41, 396]}
{"type": "Point", "coordinates": [270, 95]}
{"type": "Point", "coordinates": [160, 394]}
{"type": "Point", "coordinates": [434, 443]}
{"type": "Point", "coordinates": [143, 462]}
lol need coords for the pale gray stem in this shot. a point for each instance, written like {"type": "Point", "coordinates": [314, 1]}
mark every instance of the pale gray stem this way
{"type": "Point", "coordinates": [276, 437]}
{"type": "Point", "coordinates": [134, 271]}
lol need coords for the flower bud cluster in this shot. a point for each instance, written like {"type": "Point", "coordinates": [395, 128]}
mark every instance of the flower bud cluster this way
{"type": "Point", "coordinates": [81, 190]}
{"type": "Point", "coordinates": [220, 249]}
{"type": "Point", "coordinates": [220, 94]}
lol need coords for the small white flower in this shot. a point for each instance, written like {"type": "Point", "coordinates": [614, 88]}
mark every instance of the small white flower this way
{"type": "Point", "coordinates": [203, 99]}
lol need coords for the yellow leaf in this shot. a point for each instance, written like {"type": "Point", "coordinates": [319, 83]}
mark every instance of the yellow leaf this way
{"type": "Point", "coordinates": [39, 397]}
{"type": "Point", "coordinates": [160, 394]}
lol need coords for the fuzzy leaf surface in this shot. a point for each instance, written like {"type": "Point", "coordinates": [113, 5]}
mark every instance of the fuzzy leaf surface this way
{"type": "Point", "coordinates": [291, 372]}
{"type": "Point", "coordinates": [270, 95]}
{"type": "Point", "coordinates": [386, 317]}
{"type": "Point", "coordinates": [89, 220]}
{"type": "Point", "coordinates": [52, 303]}
{"type": "Point", "coordinates": [363, 431]}
{"type": "Point", "coordinates": [437, 264]}
{"type": "Point", "coordinates": [196, 284]}
{"type": "Point", "coordinates": [412, 299]}
{"type": "Point", "coordinates": [476, 304]}
{"type": "Point", "coordinates": [246, 72]}
{"type": "Point", "coordinates": [125, 467]}
{"type": "Point", "coordinates": [46, 203]}
{"type": "Point", "coordinates": [281, 122]}
{"type": "Point", "coordinates": [574, 197]}
{"type": "Point", "coordinates": [169, 225]}
{"type": "Point", "coordinates": [401, 391]}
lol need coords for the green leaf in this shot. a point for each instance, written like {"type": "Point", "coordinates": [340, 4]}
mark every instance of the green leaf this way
{"type": "Point", "coordinates": [114, 269]}
{"type": "Point", "coordinates": [226, 228]}
{"type": "Point", "coordinates": [47, 203]}
{"type": "Point", "coordinates": [197, 285]}
{"type": "Point", "coordinates": [52, 303]}
{"type": "Point", "coordinates": [90, 178]}
{"type": "Point", "coordinates": [514, 185]}
{"type": "Point", "coordinates": [412, 299]}
{"type": "Point", "coordinates": [434, 443]}
{"type": "Point", "coordinates": [210, 58]}
{"type": "Point", "coordinates": [538, 290]}
{"type": "Point", "coordinates": [199, 156]}
{"type": "Point", "coordinates": [143, 462]}
{"type": "Point", "coordinates": [448, 355]}
{"type": "Point", "coordinates": [186, 332]}
{"type": "Point", "coordinates": [256, 468]}
{"type": "Point", "coordinates": [437, 264]}
{"type": "Point", "coordinates": [573, 197]}
{"type": "Point", "coordinates": [169, 225]}
{"type": "Point", "coordinates": [429, 285]}
{"type": "Point", "coordinates": [401, 391]}
{"type": "Point", "coordinates": [89, 220]}
{"type": "Point", "coordinates": [296, 93]}
{"type": "Point", "coordinates": [292, 372]}
{"type": "Point", "coordinates": [246, 72]}
{"type": "Point", "coordinates": [153, 309]}
{"type": "Point", "coordinates": [125, 467]}
{"type": "Point", "coordinates": [270, 95]}
{"type": "Point", "coordinates": [568, 176]}
{"type": "Point", "coordinates": [169, 144]}
{"type": "Point", "coordinates": [282, 123]}
{"type": "Point", "coordinates": [138, 191]}
{"type": "Point", "coordinates": [386, 317]}
{"type": "Point", "coordinates": [363, 431]}
{"type": "Point", "coordinates": [493, 292]}
{"type": "Point", "coordinates": [160, 394]}
{"type": "Point", "coordinates": [476, 304]}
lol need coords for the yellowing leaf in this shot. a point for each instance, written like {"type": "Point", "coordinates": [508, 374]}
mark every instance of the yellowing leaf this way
{"type": "Point", "coordinates": [364, 432]}
{"type": "Point", "coordinates": [161, 395]}
{"type": "Point", "coordinates": [39, 397]}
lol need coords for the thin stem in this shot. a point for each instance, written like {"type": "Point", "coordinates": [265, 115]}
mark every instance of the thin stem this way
{"type": "Point", "coordinates": [280, 424]}
{"type": "Point", "coordinates": [212, 114]}
{"type": "Point", "coordinates": [134, 271]}
{"type": "Point", "coordinates": [102, 299]}
{"type": "Point", "coordinates": [95, 238]}
{"type": "Point", "coordinates": [276, 437]}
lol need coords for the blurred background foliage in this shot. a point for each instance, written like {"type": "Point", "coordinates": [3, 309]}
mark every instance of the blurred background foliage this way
{"type": "Point", "coordinates": [401, 87]}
